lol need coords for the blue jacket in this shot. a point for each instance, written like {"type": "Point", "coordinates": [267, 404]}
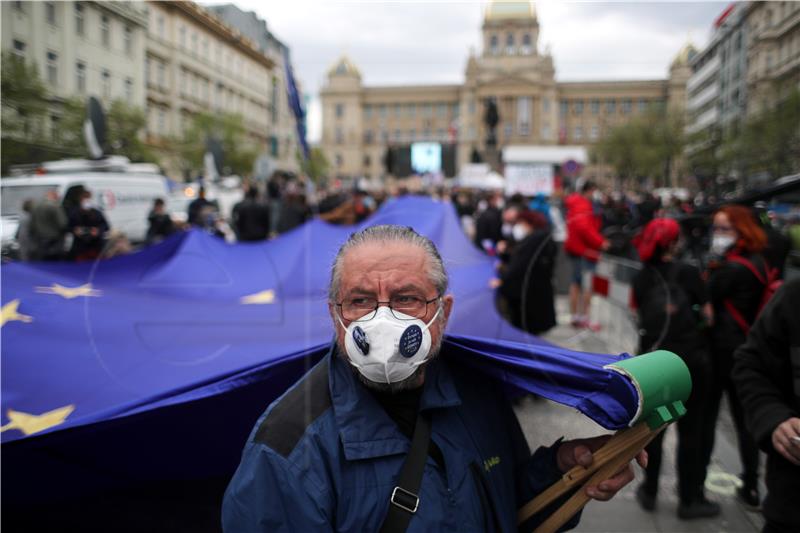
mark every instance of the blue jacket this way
{"type": "Point", "coordinates": [325, 457]}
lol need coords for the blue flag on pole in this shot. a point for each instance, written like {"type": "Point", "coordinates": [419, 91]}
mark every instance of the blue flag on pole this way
{"type": "Point", "coordinates": [295, 103]}
{"type": "Point", "coordinates": [117, 365]}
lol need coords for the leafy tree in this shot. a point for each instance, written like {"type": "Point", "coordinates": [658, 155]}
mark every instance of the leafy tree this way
{"type": "Point", "coordinates": [316, 166]}
{"type": "Point", "coordinates": [648, 146]}
{"type": "Point", "coordinates": [239, 154]}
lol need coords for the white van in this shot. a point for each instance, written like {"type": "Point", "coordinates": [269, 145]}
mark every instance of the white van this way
{"type": "Point", "coordinates": [124, 195]}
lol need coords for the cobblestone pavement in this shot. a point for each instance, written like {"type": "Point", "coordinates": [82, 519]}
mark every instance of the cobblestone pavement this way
{"type": "Point", "coordinates": [543, 422]}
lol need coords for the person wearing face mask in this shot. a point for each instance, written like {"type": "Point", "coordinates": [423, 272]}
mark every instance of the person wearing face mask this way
{"type": "Point", "coordinates": [672, 307]}
{"type": "Point", "coordinates": [736, 292]}
{"type": "Point", "coordinates": [88, 227]}
{"type": "Point", "coordinates": [489, 224]}
{"type": "Point", "coordinates": [527, 280]}
{"type": "Point", "coordinates": [328, 455]}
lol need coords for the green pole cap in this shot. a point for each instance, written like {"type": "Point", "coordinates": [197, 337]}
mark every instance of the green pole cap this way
{"type": "Point", "coordinates": [663, 382]}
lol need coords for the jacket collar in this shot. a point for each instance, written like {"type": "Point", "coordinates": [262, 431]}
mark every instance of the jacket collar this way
{"type": "Point", "coordinates": [365, 429]}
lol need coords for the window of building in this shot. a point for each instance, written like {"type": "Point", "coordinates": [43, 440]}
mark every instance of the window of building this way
{"type": "Point", "coordinates": [19, 49]}
{"type": "Point", "coordinates": [412, 135]}
{"type": "Point", "coordinates": [494, 45]}
{"type": "Point", "coordinates": [162, 121]}
{"type": "Point", "coordinates": [524, 115]}
{"type": "Point", "coordinates": [427, 110]}
{"type": "Point", "coordinates": [128, 90]}
{"type": "Point", "coordinates": [441, 110]}
{"type": "Point", "coordinates": [105, 83]}
{"type": "Point", "coordinates": [577, 107]}
{"type": "Point", "coordinates": [526, 44]}
{"type": "Point", "coordinates": [545, 132]}
{"type": "Point", "coordinates": [471, 107]}
{"type": "Point", "coordinates": [162, 74]}
{"type": "Point", "coordinates": [276, 101]}
{"type": "Point", "coordinates": [508, 129]}
{"type": "Point", "coordinates": [626, 106]}
{"type": "Point", "coordinates": [397, 135]}
{"type": "Point", "coordinates": [367, 161]}
{"type": "Point", "coordinates": [80, 76]}
{"type": "Point", "coordinates": [382, 111]}
{"type": "Point", "coordinates": [594, 133]}
{"type": "Point", "coordinates": [182, 36]}
{"type": "Point", "coordinates": [563, 108]}
{"type": "Point", "coordinates": [339, 160]}
{"type": "Point", "coordinates": [440, 136]}
{"type": "Point", "coordinates": [384, 136]}
{"type": "Point", "coordinates": [79, 27]}
{"type": "Point", "coordinates": [339, 136]}
{"type": "Point", "coordinates": [194, 42]}
{"type": "Point", "coordinates": [161, 27]}
{"type": "Point", "coordinates": [52, 68]}
{"type": "Point", "coordinates": [339, 110]}
{"type": "Point", "coordinates": [595, 107]}
{"type": "Point", "coordinates": [456, 109]}
{"type": "Point", "coordinates": [128, 40]}
{"type": "Point", "coordinates": [50, 12]}
{"type": "Point", "coordinates": [397, 110]}
{"type": "Point", "coordinates": [578, 133]}
{"type": "Point", "coordinates": [426, 134]}
{"type": "Point", "coordinates": [642, 105]}
{"type": "Point", "coordinates": [611, 107]}
{"type": "Point", "coordinates": [206, 54]}
{"type": "Point", "coordinates": [367, 111]}
{"type": "Point", "coordinates": [368, 137]}
{"type": "Point", "coordinates": [55, 128]}
{"type": "Point", "coordinates": [105, 30]}
{"type": "Point", "coordinates": [412, 110]}
{"type": "Point", "coordinates": [545, 105]}
{"type": "Point", "coordinates": [510, 48]}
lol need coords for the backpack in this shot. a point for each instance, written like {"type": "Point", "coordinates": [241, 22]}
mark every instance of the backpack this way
{"type": "Point", "coordinates": [769, 279]}
{"type": "Point", "coordinates": [665, 311]}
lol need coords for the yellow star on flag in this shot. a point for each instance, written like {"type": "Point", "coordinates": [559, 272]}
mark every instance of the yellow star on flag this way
{"type": "Point", "coordinates": [30, 424]}
{"type": "Point", "coordinates": [10, 313]}
{"type": "Point", "coordinates": [70, 292]}
{"type": "Point", "coordinates": [263, 297]}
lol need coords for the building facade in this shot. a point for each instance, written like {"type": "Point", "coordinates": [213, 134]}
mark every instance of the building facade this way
{"type": "Point", "coordinates": [196, 63]}
{"type": "Point", "coordinates": [81, 49]}
{"type": "Point", "coordinates": [773, 52]}
{"type": "Point", "coordinates": [359, 123]}
{"type": "Point", "coordinates": [282, 141]}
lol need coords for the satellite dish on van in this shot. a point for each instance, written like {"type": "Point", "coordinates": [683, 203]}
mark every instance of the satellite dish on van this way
{"type": "Point", "coordinates": [94, 128]}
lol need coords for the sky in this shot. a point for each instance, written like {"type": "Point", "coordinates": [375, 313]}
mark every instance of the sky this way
{"type": "Point", "coordinates": [428, 42]}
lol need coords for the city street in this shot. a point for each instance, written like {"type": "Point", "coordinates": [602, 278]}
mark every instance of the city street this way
{"type": "Point", "coordinates": [543, 422]}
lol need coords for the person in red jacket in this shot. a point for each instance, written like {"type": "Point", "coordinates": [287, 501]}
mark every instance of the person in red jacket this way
{"type": "Point", "coordinates": [583, 246]}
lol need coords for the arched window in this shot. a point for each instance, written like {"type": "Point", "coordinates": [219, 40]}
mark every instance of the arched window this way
{"type": "Point", "coordinates": [526, 44]}
{"type": "Point", "coordinates": [493, 45]}
{"type": "Point", "coordinates": [510, 44]}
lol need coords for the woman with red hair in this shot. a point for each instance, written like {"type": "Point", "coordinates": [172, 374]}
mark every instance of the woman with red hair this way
{"type": "Point", "coordinates": [670, 300]}
{"type": "Point", "coordinates": [736, 281]}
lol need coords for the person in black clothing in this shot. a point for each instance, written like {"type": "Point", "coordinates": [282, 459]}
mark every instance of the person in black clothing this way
{"type": "Point", "coordinates": [671, 302]}
{"type": "Point", "coordinates": [736, 294]}
{"type": "Point", "coordinates": [527, 280]}
{"type": "Point", "coordinates": [766, 373]}
{"type": "Point", "coordinates": [161, 225]}
{"type": "Point", "coordinates": [194, 215]}
{"type": "Point", "coordinates": [294, 211]}
{"type": "Point", "coordinates": [489, 225]}
{"type": "Point", "coordinates": [251, 217]}
{"type": "Point", "coordinates": [88, 227]}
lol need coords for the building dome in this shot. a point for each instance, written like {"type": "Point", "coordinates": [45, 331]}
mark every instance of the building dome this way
{"type": "Point", "coordinates": [344, 67]}
{"type": "Point", "coordinates": [685, 55]}
{"type": "Point", "coordinates": [504, 9]}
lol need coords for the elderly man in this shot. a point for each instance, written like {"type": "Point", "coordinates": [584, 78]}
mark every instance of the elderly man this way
{"type": "Point", "coordinates": [328, 454]}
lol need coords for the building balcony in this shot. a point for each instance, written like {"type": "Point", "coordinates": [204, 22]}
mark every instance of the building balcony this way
{"type": "Point", "coordinates": [704, 120]}
{"type": "Point", "coordinates": [706, 71]}
{"type": "Point", "coordinates": [702, 98]}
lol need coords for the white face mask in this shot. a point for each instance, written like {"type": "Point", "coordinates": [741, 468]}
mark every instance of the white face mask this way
{"type": "Point", "coordinates": [520, 232]}
{"type": "Point", "coordinates": [86, 204]}
{"type": "Point", "coordinates": [721, 243]}
{"type": "Point", "coordinates": [387, 349]}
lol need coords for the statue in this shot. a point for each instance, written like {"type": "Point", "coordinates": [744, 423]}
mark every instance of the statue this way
{"type": "Point", "coordinates": [491, 119]}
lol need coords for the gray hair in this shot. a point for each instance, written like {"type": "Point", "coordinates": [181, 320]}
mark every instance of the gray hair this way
{"type": "Point", "coordinates": [390, 233]}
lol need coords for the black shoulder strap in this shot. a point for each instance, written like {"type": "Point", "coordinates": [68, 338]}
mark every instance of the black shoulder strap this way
{"type": "Point", "coordinates": [404, 501]}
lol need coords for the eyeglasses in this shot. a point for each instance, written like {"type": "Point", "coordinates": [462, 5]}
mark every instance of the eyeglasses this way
{"type": "Point", "coordinates": [402, 307]}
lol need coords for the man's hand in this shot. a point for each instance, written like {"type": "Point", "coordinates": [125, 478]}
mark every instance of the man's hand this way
{"type": "Point", "coordinates": [501, 247]}
{"type": "Point", "coordinates": [494, 283]}
{"type": "Point", "coordinates": [782, 440]}
{"type": "Point", "coordinates": [579, 452]}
